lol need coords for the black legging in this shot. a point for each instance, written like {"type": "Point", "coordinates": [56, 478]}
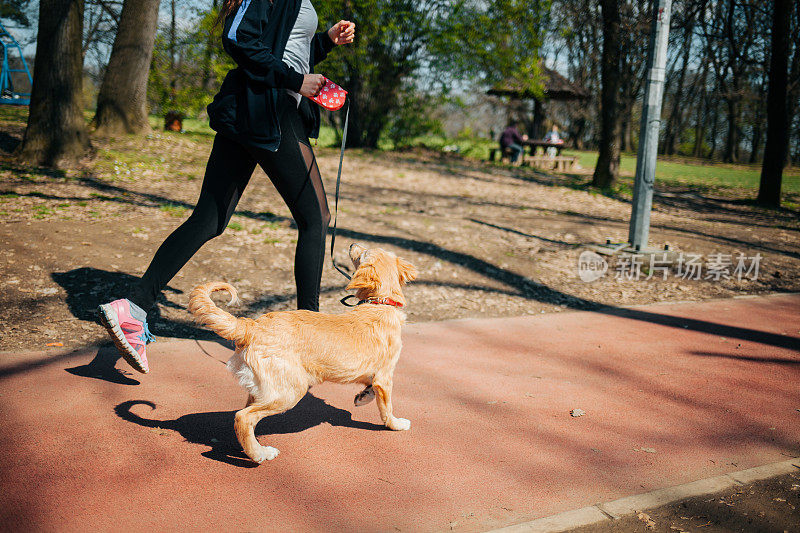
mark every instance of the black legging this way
{"type": "Point", "coordinates": [294, 172]}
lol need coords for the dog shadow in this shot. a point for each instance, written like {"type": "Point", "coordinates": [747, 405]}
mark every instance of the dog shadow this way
{"type": "Point", "coordinates": [215, 429]}
{"type": "Point", "coordinates": [103, 367]}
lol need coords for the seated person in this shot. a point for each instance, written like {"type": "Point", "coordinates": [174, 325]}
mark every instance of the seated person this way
{"type": "Point", "coordinates": [511, 139]}
{"type": "Point", "coordinates": [555, 138]}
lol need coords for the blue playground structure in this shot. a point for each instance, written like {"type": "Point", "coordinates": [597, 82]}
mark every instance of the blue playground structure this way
{"type": "Point", "coordinates": [7, 93]}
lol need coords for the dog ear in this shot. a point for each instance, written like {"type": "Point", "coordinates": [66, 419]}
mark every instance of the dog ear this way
{"type": "Point", "coordinates": [366, 277]}
{"type": "Point", "coordinates": [407, 271]}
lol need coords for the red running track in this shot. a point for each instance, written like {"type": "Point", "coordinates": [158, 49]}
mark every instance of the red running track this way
{"type": "Point", "coordinates": [672, 393]}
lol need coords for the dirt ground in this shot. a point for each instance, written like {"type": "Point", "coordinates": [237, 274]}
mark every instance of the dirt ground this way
{"type": "Point", "coordinates": [489, 240]}
{"type": "Point", "coordinates": [766, 506]}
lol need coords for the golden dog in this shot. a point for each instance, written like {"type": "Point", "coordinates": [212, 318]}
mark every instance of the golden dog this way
{"type": "Point", "coordinates": [280, 355]}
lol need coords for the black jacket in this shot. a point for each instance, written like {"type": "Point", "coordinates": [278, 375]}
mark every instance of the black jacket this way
{"type": "Point", "coordinates": [245, 106]}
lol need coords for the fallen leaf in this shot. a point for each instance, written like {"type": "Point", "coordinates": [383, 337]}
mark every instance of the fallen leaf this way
{"type": "Point", "coordinates": [648, 522]}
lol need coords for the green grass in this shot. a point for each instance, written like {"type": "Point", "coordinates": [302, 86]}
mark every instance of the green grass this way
{"type": "Point", "coordinates": [672, 171]}
{"type": "Point", "coordinates": [190, 125]}
{"type": "Point", "coordinates": [472, 147]}
{"type": "Point", "coordinates": [271, 225]}
{"type": "Point", "coordinates": [193, 126]}
{"type": "Point", "coordinates": [235, 226]}
{"type": "Point", "coordinates": [689, 172]}
{"type": "Point", "coordinates": [17, 113]}
{"type": "Point", "coordinates": [41, 211]}
{"type": "Point", "coordinates": [129, 159]}
{"type": "Point", "coordinates": [173, 210]}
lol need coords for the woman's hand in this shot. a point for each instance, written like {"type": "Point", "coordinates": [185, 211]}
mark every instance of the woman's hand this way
{"type": "Point", "coordinates": [343, 32]}
{"type": "Point", "coordinates": [312, 83]}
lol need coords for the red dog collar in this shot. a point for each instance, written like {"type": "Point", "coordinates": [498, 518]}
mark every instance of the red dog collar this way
{"type": "Point", "coordinates": [384, 300]}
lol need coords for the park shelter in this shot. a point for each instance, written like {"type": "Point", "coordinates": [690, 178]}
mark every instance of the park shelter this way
{"type": "Point", "coordinates": [556, 88]}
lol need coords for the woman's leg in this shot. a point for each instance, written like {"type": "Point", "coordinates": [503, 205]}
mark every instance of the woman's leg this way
{"type": "Point", "coordinates": [294, 172]}
{"type": "Point", "coordinates": [228, 170]}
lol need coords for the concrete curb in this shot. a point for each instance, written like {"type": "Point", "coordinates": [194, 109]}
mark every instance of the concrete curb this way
{"type": "Point", "coordinates": [631, 504]}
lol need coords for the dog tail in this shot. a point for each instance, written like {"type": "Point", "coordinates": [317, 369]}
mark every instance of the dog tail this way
{"type": "Point", "coordinates": [224, 324]}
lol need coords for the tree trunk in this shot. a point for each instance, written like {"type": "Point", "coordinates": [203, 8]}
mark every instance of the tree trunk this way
{"type": "Point", "coordinates": [714, 128]}
{"type": "Point", "coordinates": [699, 133]}
{"type": "Point", "coordinates": [755, 145]}
{"type": "Point", "coordinates": [607, 169]}
{"type": "Point", "coordinates": [702, 114]}
{"type": "Point", "coordinates": [769, 191]}
{"type": "Point", "coordinates": [56, 134]}
{"type": "Point", "coordinates": [627, 144]}
{"type": "Point", "coordinates": [371, 104]}
{"type": "Point", "coordinates": [537, 129]}
{"type": "Point", "coordinates": [579, 132]}
{"type": "Point", "coordinates": [732, 139]}
{"type": "Point", "coordinates": [624, 128]}
{"type": "Point", "coordinates": [122, 101]}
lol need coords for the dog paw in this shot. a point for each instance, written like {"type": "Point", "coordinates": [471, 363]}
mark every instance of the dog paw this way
{"type": "Point", "coordinates": [364, 397]}
{"type": "Point", "coordinates": [399, 424]}
{"type": "Point", "coordinates": [266, 453]}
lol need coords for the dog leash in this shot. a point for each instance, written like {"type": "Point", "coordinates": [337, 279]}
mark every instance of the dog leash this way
{"type": "Point", "coordinates": [336, 201]}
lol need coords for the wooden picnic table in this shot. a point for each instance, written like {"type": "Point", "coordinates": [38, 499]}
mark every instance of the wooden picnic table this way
{"type": "Point", "coordinates": [534, 144]}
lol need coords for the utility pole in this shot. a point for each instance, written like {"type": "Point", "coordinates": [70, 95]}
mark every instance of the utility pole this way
{"type": "Point", "coordinates": [650, 127]}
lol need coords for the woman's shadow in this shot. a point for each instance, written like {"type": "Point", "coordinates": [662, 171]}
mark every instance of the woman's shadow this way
{"type": "Point", "coordinates": [103, 367]}
{"type": "Point", "coordinates": [215, 429]}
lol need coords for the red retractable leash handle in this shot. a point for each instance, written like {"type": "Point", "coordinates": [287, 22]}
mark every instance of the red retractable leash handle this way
{"type": "Point", "coordinates": [331, 96]}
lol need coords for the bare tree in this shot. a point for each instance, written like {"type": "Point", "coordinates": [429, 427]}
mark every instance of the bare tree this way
{"type": "Point", "coordinates": [732, 28]}
{"type": "Point", "coordinates": [56, 134]}
{"type": "Point", "coordinates": [122, 101]}
{"type": "Point", "coordinates": [100, 22]}
{"type": "Point", "coordinates": [607, 168]}
{"type": "Point", "coordinates": [208, 52]}
{"type": "Point", "coordinates": [578, 23]}
{"type": "Point", "coordinates": [675, 120]}
{"type": "Point", "coordinates": [793, 88]}
{"type": "Point", "coordinates": [14, 10]}
{"type": "Point", "coordinates": [769, 192]}
{"type": "Point", "coordinates": [635, 16]}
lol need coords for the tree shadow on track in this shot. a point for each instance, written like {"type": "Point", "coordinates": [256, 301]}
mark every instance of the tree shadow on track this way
{"type": "Point", "coordinates": [88, 287]}
{"type": "Point", "coordinates": [215, 429]}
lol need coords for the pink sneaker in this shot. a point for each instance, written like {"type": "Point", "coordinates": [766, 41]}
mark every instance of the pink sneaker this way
{"type": "Point", "coordinates": [127, 324]}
